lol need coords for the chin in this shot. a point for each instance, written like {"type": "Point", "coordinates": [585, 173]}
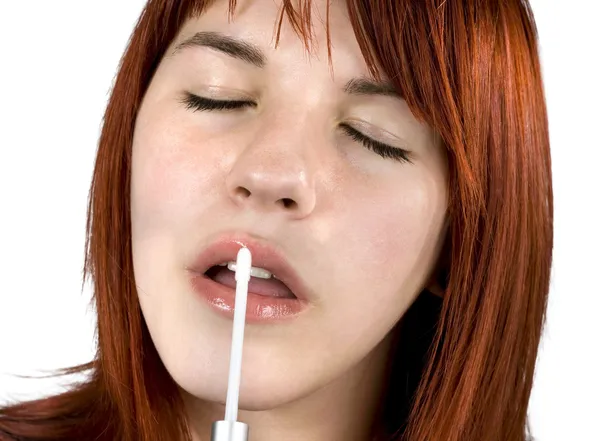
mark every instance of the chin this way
{"type": "Point", "coordinates": [268, 395]}
{"type": "Point", "coordinates": [265, 393]}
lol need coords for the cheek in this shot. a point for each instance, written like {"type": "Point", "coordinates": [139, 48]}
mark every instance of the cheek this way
{"type": "Point", "coordinates": [173, 173]}
{"type": "Point", "coordinates": [394, 234]}
{"type": "Point", "coordinates": [385, 241]}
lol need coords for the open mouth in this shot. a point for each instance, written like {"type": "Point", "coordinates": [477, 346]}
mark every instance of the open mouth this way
{"type": "Point", "coordinates": [262, 282]}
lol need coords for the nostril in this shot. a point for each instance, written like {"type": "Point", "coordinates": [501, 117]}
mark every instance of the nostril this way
{"type": "Point", "coordinates": [243, 192]}
{"type": "Point", "coordinates": [288, 203]}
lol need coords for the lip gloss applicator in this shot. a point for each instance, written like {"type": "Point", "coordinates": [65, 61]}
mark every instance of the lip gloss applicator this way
{"type": "Point", "coordinates": [229, 429]}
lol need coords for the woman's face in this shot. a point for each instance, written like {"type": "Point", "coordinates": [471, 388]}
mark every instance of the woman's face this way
{"type": "Point", "coordinates": [361, 231]}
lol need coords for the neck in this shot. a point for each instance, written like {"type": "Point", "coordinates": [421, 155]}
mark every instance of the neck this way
{"type": "Point", "coordinates": [345, 409]}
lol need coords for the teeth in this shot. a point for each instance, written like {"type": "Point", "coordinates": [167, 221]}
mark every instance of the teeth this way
{"type": "Point", "coordinates": [254, 271]}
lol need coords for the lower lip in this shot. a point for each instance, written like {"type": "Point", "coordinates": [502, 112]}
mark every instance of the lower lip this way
{"type": "Point", "coordinates": [259, 308]}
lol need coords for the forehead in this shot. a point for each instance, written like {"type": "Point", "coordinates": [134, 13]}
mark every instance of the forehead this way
{"type": "Point", "coordinates": [256, 21]}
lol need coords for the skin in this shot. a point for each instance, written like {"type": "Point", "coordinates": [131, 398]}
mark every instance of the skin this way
{"type": "Point", "coordinates": [364, 232]}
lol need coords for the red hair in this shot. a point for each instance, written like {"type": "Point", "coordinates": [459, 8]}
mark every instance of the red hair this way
{"type": "Point", "coordinates": [469, 69]}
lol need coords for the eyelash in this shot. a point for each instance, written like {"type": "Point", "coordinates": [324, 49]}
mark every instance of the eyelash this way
{"type": "Point", "coordinates": [199, 103]}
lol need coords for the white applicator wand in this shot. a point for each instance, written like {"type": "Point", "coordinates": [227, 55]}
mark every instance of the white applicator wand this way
{"type": "Point", "coordinates": [230, 429]}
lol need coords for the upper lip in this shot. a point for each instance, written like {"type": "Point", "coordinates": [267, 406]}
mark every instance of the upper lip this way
{"type": "Point", "coordinates": [264, 256]}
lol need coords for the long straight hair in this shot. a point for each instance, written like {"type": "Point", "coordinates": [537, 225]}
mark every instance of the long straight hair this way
{"type": "Point", "coordinates": [469, 69]}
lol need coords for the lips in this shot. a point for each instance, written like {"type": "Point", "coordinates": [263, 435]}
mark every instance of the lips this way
{"type": "Point", "coordinates": [264, 256]}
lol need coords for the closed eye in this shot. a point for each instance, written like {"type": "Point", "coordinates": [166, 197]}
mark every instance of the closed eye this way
{"type": "Point", "coordinates": [198, 103]}
{"type": "Point", "coordinates": [382, 149]}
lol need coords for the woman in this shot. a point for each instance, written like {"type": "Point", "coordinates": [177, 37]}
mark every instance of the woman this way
{"type": "Point", "coordinates": [388, 164]}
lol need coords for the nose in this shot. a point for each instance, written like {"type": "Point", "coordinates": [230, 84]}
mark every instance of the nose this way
{"type": "Point", "coordinates": [274, 177]}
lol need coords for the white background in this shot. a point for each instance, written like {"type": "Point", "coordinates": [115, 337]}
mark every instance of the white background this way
{"type": "Point", "coordinates": [57, 62]}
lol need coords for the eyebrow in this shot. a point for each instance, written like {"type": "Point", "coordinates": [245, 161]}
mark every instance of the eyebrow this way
{"type": "Point", "coordinates": [252, 54]}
